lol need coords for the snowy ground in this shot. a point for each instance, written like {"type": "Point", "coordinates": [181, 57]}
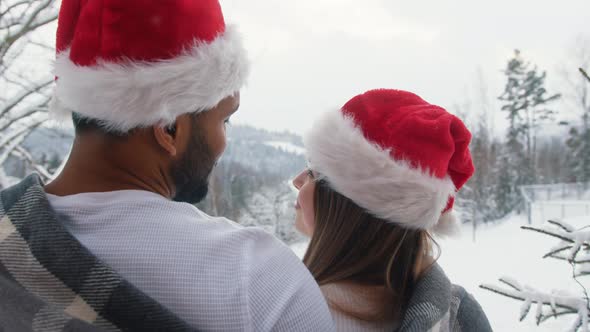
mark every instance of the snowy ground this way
{"type": "Point", "coordinates": [503, 249]}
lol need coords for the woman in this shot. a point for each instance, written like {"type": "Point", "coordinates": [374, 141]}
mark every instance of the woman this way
{"type": "Point", "coordinates": [383, 173]}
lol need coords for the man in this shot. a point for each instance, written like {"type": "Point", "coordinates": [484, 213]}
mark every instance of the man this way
{"type": "Point", "coordinates": [114, 241]}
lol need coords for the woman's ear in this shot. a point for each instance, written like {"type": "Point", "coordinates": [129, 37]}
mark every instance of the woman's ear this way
{"type": "Point", "coordinates": [166, 138]}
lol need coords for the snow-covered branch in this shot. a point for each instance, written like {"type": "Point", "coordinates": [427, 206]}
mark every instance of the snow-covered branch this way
{"type": "Point", "coordinates": [24, 117]}
{"type": "Point", "coordinates": [575, 242]}
{"type": "Point", "coordinates": [547, 305]}
{"type": "Point", "coordinates": [25, 130]}
{"type": "Point", "coordinates": [11, 145]}
{"type": "Point", "coordinates": [18, 98]}
{"type": "Point", "coordinates": [13, 28]}
{"type": "Point", "coordinates": [573, 247]}
{"type": "Point", "coordinates": [23, 106]}
{"type": "Point", "coordinates": [585, 74]}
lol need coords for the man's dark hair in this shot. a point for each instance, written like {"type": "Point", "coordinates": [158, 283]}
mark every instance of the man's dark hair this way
{"type": "Point", "coordinates": [84, 124]}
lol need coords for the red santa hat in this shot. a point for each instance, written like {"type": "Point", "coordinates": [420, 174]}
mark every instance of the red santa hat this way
{"type": "Point", "coordinates": [136, 63]}
{"type": "Point", "coordinates": [395, 155]}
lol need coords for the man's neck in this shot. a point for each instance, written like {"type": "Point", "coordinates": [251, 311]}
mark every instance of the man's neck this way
{"type": "Point", "coordinates": [97, 167]}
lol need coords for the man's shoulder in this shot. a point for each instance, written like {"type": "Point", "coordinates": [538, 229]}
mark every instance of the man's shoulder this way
{"type": "Point", "coordinates": [11, 195]}
{"type": "Point", "coordinates": [192, 217]}
{"type": "Point", "coordinates": [252, 240]}
{"type": "Point", "coordinates": [195, 230]}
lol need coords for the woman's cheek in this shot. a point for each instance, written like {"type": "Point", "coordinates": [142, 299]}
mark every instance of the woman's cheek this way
{"type": "Point", "coordinates": [309, 212]}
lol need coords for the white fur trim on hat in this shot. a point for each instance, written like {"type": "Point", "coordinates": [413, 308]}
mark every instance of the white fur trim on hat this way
{"type": "Point", "coordinates": [447, 225]}
{"type": "Point", "coordinates": [141, 94]}
{"type": "Point", "coordinates": [368, 175]}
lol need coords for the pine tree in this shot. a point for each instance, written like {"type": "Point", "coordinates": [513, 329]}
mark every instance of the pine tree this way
{"type": "Point", "coordinates": [506, 196]}
{"type": "Point", "coordinates": [578, 144]}
{"type": "Point", "coordinates": [578, 141]}
{"type": "Point", "coordinates": [525, 99]}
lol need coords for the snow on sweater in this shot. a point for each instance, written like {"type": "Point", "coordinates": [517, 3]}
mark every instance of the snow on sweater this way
{"type": "Point", "coordinates": [211, 272]}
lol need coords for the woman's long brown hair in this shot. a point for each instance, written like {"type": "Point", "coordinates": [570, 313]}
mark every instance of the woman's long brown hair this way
{"type": "Point", "coordinates": [350, 245]}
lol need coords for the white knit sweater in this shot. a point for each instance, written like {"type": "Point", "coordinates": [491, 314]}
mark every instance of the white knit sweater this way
{"type": "Point", "coordinates": [212, 273]}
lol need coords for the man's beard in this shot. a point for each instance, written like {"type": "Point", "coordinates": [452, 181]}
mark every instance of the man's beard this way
{"type": "Point", "coordinates": [191, 173]}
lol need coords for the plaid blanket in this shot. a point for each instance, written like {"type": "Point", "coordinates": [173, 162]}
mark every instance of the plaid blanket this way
{"type": "Point", "coordinates": [437, 305]}
{"type": "Point", "coordinates": [50, 282]}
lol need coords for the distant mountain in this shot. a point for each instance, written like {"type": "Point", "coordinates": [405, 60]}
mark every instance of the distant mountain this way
{"type": "Point", "coordinates": [251, 183]}
{"type": "Point", "coordinates": [264, 151]}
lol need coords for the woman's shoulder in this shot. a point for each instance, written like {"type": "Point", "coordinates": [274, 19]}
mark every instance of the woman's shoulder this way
{"type": "Point", "coordinates": [466, 313]}
{"type": "Point", "coordinates": [437, 302]}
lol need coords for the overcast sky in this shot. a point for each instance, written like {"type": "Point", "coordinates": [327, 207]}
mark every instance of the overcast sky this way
{"type": "Point", "coordinates": [310, 56]}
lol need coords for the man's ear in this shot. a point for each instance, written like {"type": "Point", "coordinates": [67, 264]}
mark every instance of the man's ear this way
{"type": "Point", "coordinates": [166, 137]}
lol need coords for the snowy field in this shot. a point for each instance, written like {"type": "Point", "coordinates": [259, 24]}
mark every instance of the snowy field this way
{"type": "Point", "coordinates": [500, 250]}
{"type": "Point", "coordinates": [506, 250]}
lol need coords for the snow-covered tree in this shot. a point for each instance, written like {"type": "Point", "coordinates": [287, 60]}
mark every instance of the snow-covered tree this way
{"type": "Point", "coordinates": [25, 93]}
{"type": "Point", "coordinates": [272, 208]}
{"type": "Point", "coordinates": [578, 141]}
{"type": "Point", "coordinates": [525, 100]}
